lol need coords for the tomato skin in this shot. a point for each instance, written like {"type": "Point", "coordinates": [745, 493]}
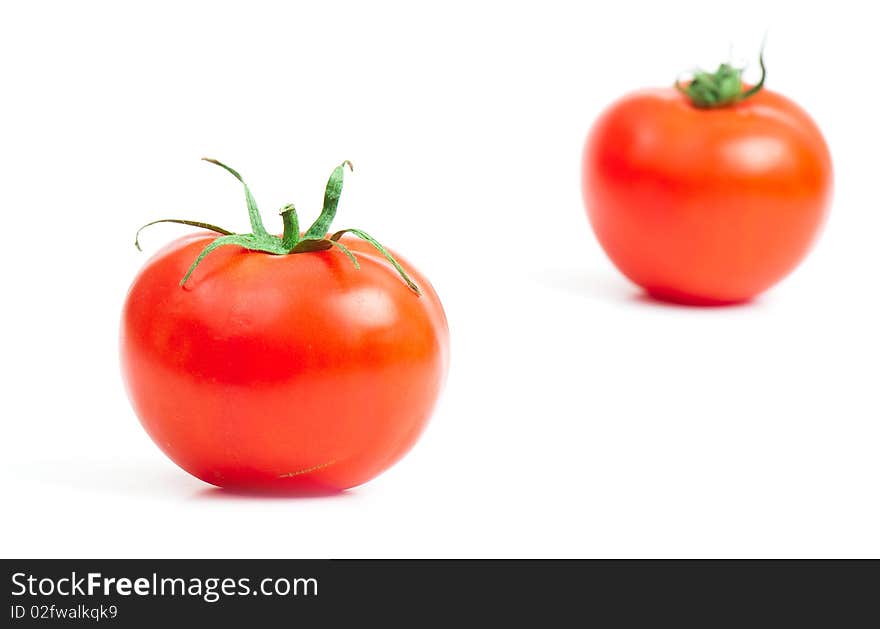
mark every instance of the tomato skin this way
{"type": "Point", "coordinates": [291, 372]}
{"type": "Point", "coordinates": [705, 206]}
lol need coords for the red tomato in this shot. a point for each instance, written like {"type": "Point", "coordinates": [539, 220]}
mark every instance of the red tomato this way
{"type": "Point", "coordinates": [296, 372]}
{"type": "Point", "coordinates": [706, 205]}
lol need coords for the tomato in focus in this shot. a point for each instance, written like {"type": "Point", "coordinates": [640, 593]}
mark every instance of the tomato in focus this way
{"type": "Point", "coordinates": [282, 372]}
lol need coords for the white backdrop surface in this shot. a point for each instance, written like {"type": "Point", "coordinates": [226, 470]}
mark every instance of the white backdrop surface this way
{"type": "Point", "coordinates": [579, 419]}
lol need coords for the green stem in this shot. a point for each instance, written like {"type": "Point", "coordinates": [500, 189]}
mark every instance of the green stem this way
{"type": "Point", "coordinates": [253, 212]}
{"type": "Point", "coordinates": [243, 240]}
{"type": "Point", "coordinates": [331, 201]}
{"type": "Point", "coordinates": [723, 88]}
{"type": "Point", "coordinates": [757, 87]}
{"type": "Point", "coordinates": [347, 252]}
{"type": "Point", "coordinates": [382, 250]}
{"type": "Point", "coordinates": [307, 245]}
{"type": "Point", "coordinates": [180, 221]}
{"type": "Point", "coordinates": [291, 226]}
{"type": "Point", "coordinates": [290, 241]}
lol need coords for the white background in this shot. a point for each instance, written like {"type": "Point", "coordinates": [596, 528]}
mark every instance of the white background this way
{"type": "Point", "coordinates": [579, 420]}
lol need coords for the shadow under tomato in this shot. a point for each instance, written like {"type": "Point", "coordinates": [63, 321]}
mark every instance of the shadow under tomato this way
{"type": "Point", "coordinates": [608, 287]}
{"type": "Point", "coordinates": [289, 493]}
{"type": "Point", "coordinates": [110, 476]}
{"type": "Point", "coordinates": [585, 283]}
{"type": "Point", "coordinates": [670, 301]}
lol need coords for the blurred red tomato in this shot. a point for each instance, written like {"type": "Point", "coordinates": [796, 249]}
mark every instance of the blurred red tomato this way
{"type": "Point", "coordinates": [703, 204]}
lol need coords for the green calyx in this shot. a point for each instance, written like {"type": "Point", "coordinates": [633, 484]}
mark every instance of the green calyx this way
{"type": "Point", "coordinates": [291, 241]}
{"type": "Point", "coordinates": [724, 87]}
